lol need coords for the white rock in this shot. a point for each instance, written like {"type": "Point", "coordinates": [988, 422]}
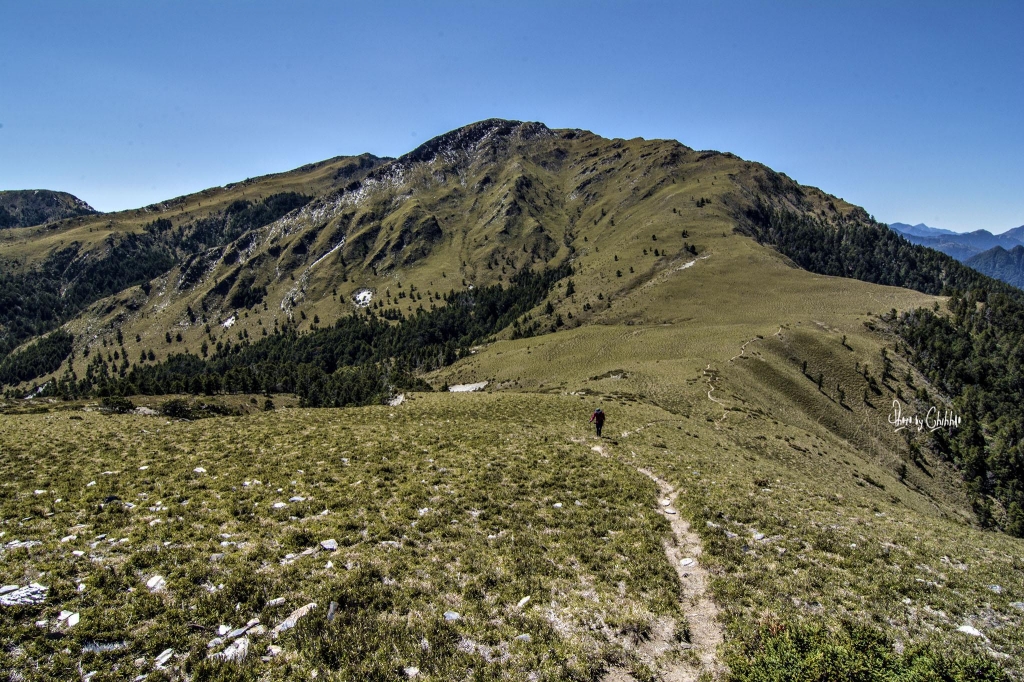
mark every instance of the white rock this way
{"type": "Point", "coordinates": [523, 602]}
{"type": "Point", "coordinates": [279, 505]}
{"type": "Point", "coordinates": [8, 588]}
{"type": "Point", "coordinates": [759, 536]}
{"type": "Point", "coordinates": [329, 545]}
{"type": "Point", "coordinates": [73, 620]}
{"type": "Point", "coordinates": [275, 602]}
{"type": "Point", "coordinates": [670, 510]}
{"type": "Point", "coordinates": [78, 552]}
{"type": "Point", "coordinates": [90, 484]}
{"type": "Point", "coordinates": [223, 629]}
{"type": "Point", "coordinates": [297, 498]}
{"type": "Point", "coordinates": [162, 659]}
{"type": "Point", "coordinates": [1017, 605]}
{"type": "Point", "coordinates": [40, 492]}
{"type": "Point", "coordinates": [214, 643]}
{"type": "Point", "coordinates": [25, 596]}
{"type": "Point", "coordinates": [69, 538]}
{"type": "Point", "coordinates": [64, 615]}
{"type": "Point", "coordinates": [996, 588]}
{"type": "Point", "coordinates": [329, 565]}
{"type": "Point", "coordinates": [686, 562]}
{"type": "Point", "coordinates": [451, 615]}
{"type": "Point", "coordinates": [156, 583]}
{"type": "Point", "coordinates": [423, 511]}
{"type": "Point", "coordinates": [143, 467]}
{"type": "Point", "coordinates": [236, 651]}
{"type": "Point", "coordinates": [412, 671]}
{"type": "Point", "coordinates": [199, 470]}
{"type": "Point", "coordinates": [273, 650]}
{"type": "Point", "coordinates": [524, 638]}
{"type": "Point", "coordinates": [290, 622]}
{"type": "Point", "coordinates": [968, 630]}
{"type": "Point", "coordinates": [467, 388]}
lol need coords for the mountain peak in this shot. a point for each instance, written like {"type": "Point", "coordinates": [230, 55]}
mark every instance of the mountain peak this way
{"type": "Point", "coordinates": [27, 207]}
{"type": "Point", "coordinates": [473, 136]}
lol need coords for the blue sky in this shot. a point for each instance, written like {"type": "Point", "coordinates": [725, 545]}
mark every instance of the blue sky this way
{"type": "Point", "coordinates": [912, 110]}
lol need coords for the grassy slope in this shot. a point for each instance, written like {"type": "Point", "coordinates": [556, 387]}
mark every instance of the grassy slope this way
{"type": "Point", "coordinates": [774, 454]}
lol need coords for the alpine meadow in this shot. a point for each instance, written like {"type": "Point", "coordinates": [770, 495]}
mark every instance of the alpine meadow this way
{"type": "Point", "coordinates": [331, 424]}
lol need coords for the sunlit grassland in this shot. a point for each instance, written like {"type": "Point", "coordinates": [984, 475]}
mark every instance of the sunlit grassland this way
{"type": "Point", "coordinates": [445, 503]}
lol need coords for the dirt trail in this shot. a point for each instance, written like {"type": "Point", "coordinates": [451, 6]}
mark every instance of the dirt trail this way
{"type": "Point", "coordinates": [677, 661]}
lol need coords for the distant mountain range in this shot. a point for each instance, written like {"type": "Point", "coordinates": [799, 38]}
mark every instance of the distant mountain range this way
{"type": "Point", "coordinates": [990, 254]}
{"type": "Point", "coordinates": [26, 207]}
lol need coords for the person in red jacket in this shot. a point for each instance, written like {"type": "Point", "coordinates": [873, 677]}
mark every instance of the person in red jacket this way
{"type": "Point", "coordinates": [597, 419]}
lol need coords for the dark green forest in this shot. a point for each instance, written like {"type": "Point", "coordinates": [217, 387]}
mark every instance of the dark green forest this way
{"type": "Point", "coordinates": [361, 359]}
{"type": "Point", "coordinates": [974, 354]}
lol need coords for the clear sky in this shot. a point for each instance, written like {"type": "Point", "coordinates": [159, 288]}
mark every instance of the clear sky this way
{"type": "Point", "coordinates": [910, 109]}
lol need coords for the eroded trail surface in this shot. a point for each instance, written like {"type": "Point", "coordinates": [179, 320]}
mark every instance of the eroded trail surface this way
{"type": "Point", "coordinates": [675, 658]}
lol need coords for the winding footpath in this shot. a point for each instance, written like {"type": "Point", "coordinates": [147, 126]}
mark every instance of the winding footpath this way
{"type": "Point", "coordinates": [683, 551]}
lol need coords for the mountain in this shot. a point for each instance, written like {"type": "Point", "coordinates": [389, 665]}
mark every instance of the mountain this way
{"type": "Point", "coordinates": [1001, 264]}
{"type": "Point", "coordinates": [755, 510]}
{"type": "Point", "coordinates": [958, 245]}
{"type": "Point", "coordinates": [26, 207]}
{"type": "Point", "coordinates": [920, 230]}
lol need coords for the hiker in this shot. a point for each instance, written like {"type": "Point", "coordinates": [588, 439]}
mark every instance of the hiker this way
{"type": "Point", "coordinates": [597, 419]}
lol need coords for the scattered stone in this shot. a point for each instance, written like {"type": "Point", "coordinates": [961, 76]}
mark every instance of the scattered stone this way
{"type": "Point", "coordinates": [40, 492]}
{"type": "Point", "coordinates": [996, 588]}
{"type": "Point", "coordinates": [330, 545]}
{"type": "Point", "coordinates": [686, 562]}
{"type": "Point", "coordinates": [8, 588]}
{"type": "Point", "coordinates": [275, 602]}
{"type": "Point", "coordinates": [236, 651]}
{"type": "Point", "coordinates": [557, 505]}
{"type": "Point", "coordinates": [1019, 605]}
{"type": "Point", "coordinates": [223, 629]}
{"type": "Point", "coordinates": [758, 536]}
{"type": "Point", "coordinates": [199, 470]}
{"type": "Point", "coordinates": [216, 557]}
{"type": "Point", "coordinates": [63, 616]}
{"type": "Point", "coordinates": [451, 615]}
{"type": "Point", "coordinates": [329, 565]}
{"type": "Point", "coordinates": [156, 583]}
{"type": "Point", "coordinates": [279, 505]}
{"type": "Point", "coordinates": [78, 553]}
{"type": "Point", "coordinates": [290, 622]}
{"type": "Point", "coordinates": [41, 623]}
{"type": "Point", "coordinates": [297, 498]}
{"type": "Point", "coordinates": [258, 631]}
{"type": "Point", "coordinates": [392, 543]}
{"type": "Point", "coordinates": [103, 647]}
{"type": "Point", "coordinates": [670, 510]}
{"type": "Point", "coordinates": [238, 632]}
{"type": "Point", "coordinates": [69, 538]}
{"type": "Point", "coordinates": [73, 620]}
{"type": "Point", "coordinates": [523, 602]}
{"type": "Point", "coordinates": [730, 534]}
{"type": "Point", "coordinates": [162, 659]}
{"type": "Point", "coordinates": [423, 511]}
{"type": "Point", "coordinates": [332, 609]}
{"type": "Point", "coordinates": [524, 638]}
{"type": "Point", "coordinates": [968, 630]}
{"type": "Point", "coordinates": [273, 650]}
{"type": "Point", "coordinates": [25, 596]}
{"type": "Point", "coordinates": [214, 643]}
{"type": "Point", "coordinates": [412, 671]}
{"type": "Point", "coordinates": [665, 503]}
